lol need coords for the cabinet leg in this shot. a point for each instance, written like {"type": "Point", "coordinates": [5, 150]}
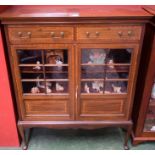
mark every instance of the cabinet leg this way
{"type": "Point", "coordinates": [128, 134]}
{"type": "Point", "coordinates": [23, 137]}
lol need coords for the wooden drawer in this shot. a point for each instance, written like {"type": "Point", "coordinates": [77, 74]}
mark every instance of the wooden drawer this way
{"type": "Point", "coordinates": [109, 33]}
{"type": "Point", "coordinates": [39, 34]}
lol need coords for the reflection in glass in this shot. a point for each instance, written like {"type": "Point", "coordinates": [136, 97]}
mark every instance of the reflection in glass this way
{"type": "Point", "coordinates": [56, 87]}
{"type": "Point", "coordinates": [44, 71]}
{"type": "Point", "coordinates": [150, 117]}
{"type": "Point", "coordinates": [105, 56]}
{"type": "Point", "coordinates": [33, 88]}
{"type": "Point", "coordinates": [117, 75]}
{"type": "Point", "coordinates": [119, 55]}
{"type": "Point", "coordinates": [56, 56]}
{"type": "Point", "coordinates": [117, 87]}
{"type": "Point", "coordinates": [92, 87]}
{"type": "Point", "coordinates": [93, 56]}
{"type": "Point", "coordinates": [105, 70]}
{"type": "Point", "coordinates": [29, 56]}
{"type": "Point", "coordinates": [31, 69]}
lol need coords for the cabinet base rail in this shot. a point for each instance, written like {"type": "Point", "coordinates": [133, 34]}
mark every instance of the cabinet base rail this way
{"type": "Point", "coordinates": [22, 125]}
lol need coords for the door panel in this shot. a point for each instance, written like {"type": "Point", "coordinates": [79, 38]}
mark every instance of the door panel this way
{"type": "Point", "coordinates": [44, 72]}
{"type": "Point", "coordinates": [106, 75]}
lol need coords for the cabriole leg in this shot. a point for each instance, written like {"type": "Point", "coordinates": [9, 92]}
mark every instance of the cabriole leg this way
{"type": "Point", "coordinates": [22, 135]}
{"type": "Point", "coordinates": [128, 134]}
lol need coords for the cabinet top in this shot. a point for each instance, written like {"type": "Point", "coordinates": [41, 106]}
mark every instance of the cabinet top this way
{"type": "Point", "coordinates": [150, 9]}
{"type": "Point", "coordinates": [111, 11]}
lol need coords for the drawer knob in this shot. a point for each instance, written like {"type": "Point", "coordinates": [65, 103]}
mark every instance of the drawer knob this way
{"type": "Point", "coordinates": [129, 33]}
{"type": "Point", "coordinates": [52, 34]}
{"type": "Point", "coordinates": [19, 34]}
{"type": "Point", "coordinates": [29, 34]}
{"type": "Point", "coordinates": [87, 34]}
{"type": "Point", "coordinates": [62, 34]}
{"type": "Point", "coordinates": [120, 33]}
{"type": "Point", "coordinates": [97, 33]}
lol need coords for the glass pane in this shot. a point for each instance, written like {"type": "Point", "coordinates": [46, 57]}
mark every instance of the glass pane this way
{"type": "Point", "coordinates": [117, 87]}
{"type": "Point", "coordinates": [119, 56]}
{"type": "Point", "coordinates": [33, 88]}
{"type": "Point", "coordinates": [92, 87]}
{"type": "Point", "coordinates": [150, 118]}
{"type": "Point", "coordinates": [60, 72]}
{"type": "Point", "coordinates": [31, 69]}
{"type": "Point", "coordinates": [117, 75]}
{"type": "Point", "coordinates": [56, 87]}
{"type": "Point", "coordinates": [94, 56]}
{"type": "Point", "coordinates": [44, 71]}
{"type": "Point", "coordinates": [92, 72]}
{"type": "Point", "coordinates": [56, 57]}
{"type": "Point", "coordinates": [56, 70]}
{"type": "Point", "coordinates": [28, 73]}
{"type": "Point", "coordinates": [105, 70]}
{"type": "Point", "coordinates": [29, 57]}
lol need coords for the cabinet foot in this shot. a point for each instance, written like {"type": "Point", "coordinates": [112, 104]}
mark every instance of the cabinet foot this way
{"type": "Point", "coordinates": [24, 146]}
{"type": "Point", "coordinates": [126, 148]}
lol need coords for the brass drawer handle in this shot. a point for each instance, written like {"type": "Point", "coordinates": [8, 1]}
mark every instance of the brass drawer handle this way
{"type": "Point", "coordinates": [62, 34]}
{"type": "Point", "coordinates": [97, 34]}
{"type": "Point", "coordinates": [130, 33]}
{"type": "Point", "coordinates": [28, 35]}
{"type": "Point", "coordinates": [87, 34]}
{"type": "Point", "coordinates": [120, 33]}
{"type": "Point", "coordinates": [19, 34]}
{"type": "Point", "coordinates": [52, 34]}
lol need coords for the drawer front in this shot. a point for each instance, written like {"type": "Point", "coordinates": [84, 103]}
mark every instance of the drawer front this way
{"type": "Point", "coordinates": [109, 33]}
{"type": "Point", "coordinates": [47, 109]}
{"type": "Point", "coordinates": [39, 34]}
{"type": "Point", "coordinates": [102, 109]}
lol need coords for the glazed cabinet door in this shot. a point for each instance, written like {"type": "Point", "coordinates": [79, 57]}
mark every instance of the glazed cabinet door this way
{"type": "Point", "coordinates": [43, 76]}
{"type": "Point", "coordinates": [149, 125]}
{"type": "Point", "coordinates": [105, 81]}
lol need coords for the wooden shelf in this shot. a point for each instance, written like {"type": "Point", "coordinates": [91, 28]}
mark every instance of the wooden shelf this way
{"type": "Point", "coordinates": [55, 65]}
{"type": "Point", "coordinates": [30, 65]}
{"type": "Point", "coordinates": [63, 80]}
{"type": "Point", "coordinates": [36, 80]}
{"type": "Point", "coordinates": [38, 94]}
{"type": "Point", "coordinates": [32, 80]}
{"type": "Point", "coordinates": [107, 71]}
{"type": "Point", "coordinates": [41, 65]}
{"type": "Point", "coordinates": [35, 72]}
{"type": "Point", "coordinates": [104, 80]}
{"type": "Point", "coordinates": [87, 94]}
{"type": "Point", "coordinates": [114, 64]}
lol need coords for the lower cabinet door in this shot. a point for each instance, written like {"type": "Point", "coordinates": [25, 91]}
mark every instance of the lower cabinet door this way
{"type": "Point", "coordinates": [101, 108]}
{"type": "Point", "coordinates": [48, 109]}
